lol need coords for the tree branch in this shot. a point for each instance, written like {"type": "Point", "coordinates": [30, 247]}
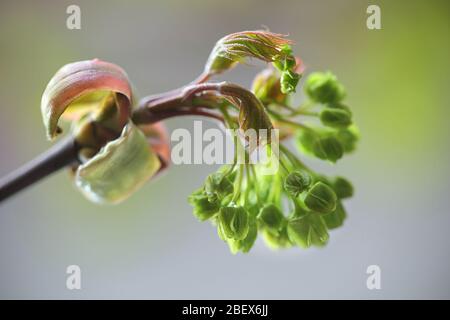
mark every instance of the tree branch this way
{"type": "Point", "coordinates": [58, 156]}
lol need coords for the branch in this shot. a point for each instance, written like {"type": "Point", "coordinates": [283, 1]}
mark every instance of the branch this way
{"type": "Point", "coordinates": [60, 155]}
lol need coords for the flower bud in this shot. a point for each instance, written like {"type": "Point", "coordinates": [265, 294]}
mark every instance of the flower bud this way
{"type": "Point", "coordinates": [343, 188]}
{"type": "Point", "coordinates": [234, 222]}
{"type": "Point", "coordinates": [348, 138]}
{"type": "Point", "coordinates": [296, 182]}
{"type": "Point", "coordinates": [271, 218]}
{"type": "Point", "coordinates": [328, 148]}
{"type": "Point", "coordinates": [320, 198]}
{"type": "Point", "coordinates": [324, 87]}
{"type": "Point", "coordinates": [247, 243]}
{"type": "Point", "coordinates": [336, 218]}
{"type": "Point", "coordinates": [298, 231]}
{"type": "Point", "coordinates": [279, 240]}
{"type": "Point", "coordinates": [218, 186]}
{"type": "Point", "coordinates": [203, 208]}
{"type": "Point", "coordinates": [335, 118]}
{"type": "Point", "coordinates": [308, 230]}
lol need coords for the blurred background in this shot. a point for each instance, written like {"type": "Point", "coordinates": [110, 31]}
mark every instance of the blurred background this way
{"type": "Point", "coordinates": [151, 246]}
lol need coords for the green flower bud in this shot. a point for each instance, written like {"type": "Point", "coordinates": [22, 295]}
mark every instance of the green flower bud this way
{"type": "Point", "coordinates": [218, 186]}
{"type": "Point", "coordinates": [271, 218]}
{"type": "Point", "coordinates": [245, 244]}
{"type": "Point", "coordinates": [234, 222]}
{"type": "Point", "coordinates": [328, 148]}
{"type": "Point", "coordinates": [343, 188]}
{"type": "Point", "coordinates": [320, 198]}
{"type": "Point", "coordinates": [308, 230]}
{"type": "Point", "coordinates": [279, 240]}
{"type": "Point", "coordinates": [348, 138]}
{"type": "Point", "coordinates": [335, 118]}
{"type": "Point", "coordinates": [298, 231]}
{"type": "Point", "coordinates": [203, 207]}
{"type": "Point", "coordinates": [340, 106]}
{"type": "Point", "coordinates": [324, 87]}
{"type": "Point", "coordinates": [336, 218]}
{"type": "Point", "coordinates": [297, 182]}
{"type": "Point", "coordinates": [319, 231]}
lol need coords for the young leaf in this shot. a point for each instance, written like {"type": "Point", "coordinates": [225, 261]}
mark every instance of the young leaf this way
{"type": "Point", "coordinates": [118, 169]}
{"type": "Point", "coordinates": [85, 84]}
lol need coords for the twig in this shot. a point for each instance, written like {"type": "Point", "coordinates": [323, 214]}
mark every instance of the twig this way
{"type": "Point", "coordinates": [58, 156]}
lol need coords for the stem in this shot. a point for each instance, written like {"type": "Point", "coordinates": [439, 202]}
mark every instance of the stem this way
{"type": "Point", "coordinates": [60, 155]}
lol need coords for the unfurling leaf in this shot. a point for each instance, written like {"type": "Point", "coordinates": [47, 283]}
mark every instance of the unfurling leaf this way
{"type": "Point", "coordinates": [119, 168]}
{"type": "Point", "coordinates": [235, 47]}
{"type": "Point", "coordinates": [81, 86]}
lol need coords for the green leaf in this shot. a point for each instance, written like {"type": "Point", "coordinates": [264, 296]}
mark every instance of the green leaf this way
{"type": "Point", "coordinates": [236, 47]}
{"type": "Point", "coordinates": [119, 168]}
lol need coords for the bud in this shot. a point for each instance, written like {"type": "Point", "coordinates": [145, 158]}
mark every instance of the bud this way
{"type": "Point", "coordinates": [296, 182]}
{"type": "Point", "coordinates": [328, 148]}
{"type": "Point", "coordinates": [343, 188]}
{"type": "Point", "coordinates": [236, 47]}
{"type": "Point", "coordinates": [234, 222]}
{"type": "Point", "coordinates": [320, 198]}
{"type": "Point", "coordinates": [267, 87]}
{"type": "Point", "coordinates": [82, 86]}
{"type": "Point", "coordinates": [335, 118]}
{"type": "Point", "coordinates": [218, 186]}
{"type": "Point", "coordinates": [308, 230]}
{"type": "Point", "coordinates": [279, 240]}
{"type": "Point", "coordinates": [348, 138]}
{"type": "Point", "coordinates": [247, 243]}
{"type": "Point", "coordinates": [324, 88]}
{"type": "Point", "coordinates": [289, 80]}
{"type": "Point", "coordinates": [336, 218]}
{"type": "Point", "coordinates": [271, 218]}
{"type": "Point", "coordinates": [203, 208]}
{"type": "Point", "coordinates": [298, 231]}
{"type": "Point", "coordinates": [319, 230]}
{"type": "Point", "coordinates": [119, 168]}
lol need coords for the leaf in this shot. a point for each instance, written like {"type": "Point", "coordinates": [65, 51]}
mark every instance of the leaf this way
{"type": "Point", "coordinates": [235, 47]}
{"type": "Point", "coordinates": [83, 84]}
{"type": "Point", "coordinates": [119, 168]}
